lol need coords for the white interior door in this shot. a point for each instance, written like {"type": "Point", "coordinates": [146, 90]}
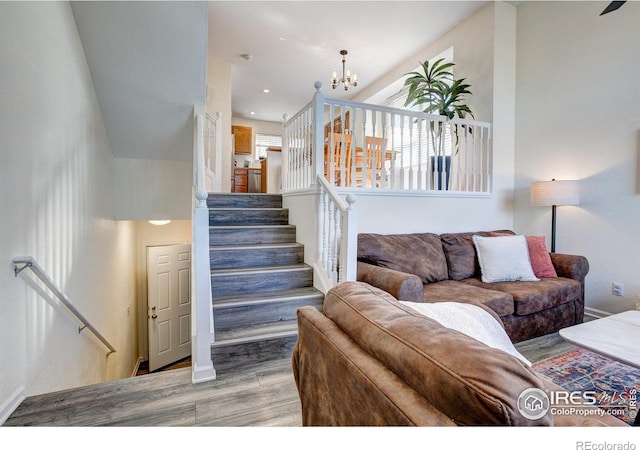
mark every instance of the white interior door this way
{"type": "Point", "coordinates": [169, 304]}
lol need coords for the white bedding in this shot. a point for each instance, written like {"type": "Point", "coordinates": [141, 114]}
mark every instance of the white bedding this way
{"type": "Point", "coordinates": [470, 320]}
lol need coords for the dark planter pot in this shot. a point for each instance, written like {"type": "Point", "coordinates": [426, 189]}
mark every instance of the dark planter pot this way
{"type": "Point", "coordinates": [440, 165]}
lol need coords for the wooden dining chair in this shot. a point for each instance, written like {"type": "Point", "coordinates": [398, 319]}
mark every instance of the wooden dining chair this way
{"type": "Point", "coordinates": [373, 163]}
{"type": "Point", "coordinates": [338, 144]}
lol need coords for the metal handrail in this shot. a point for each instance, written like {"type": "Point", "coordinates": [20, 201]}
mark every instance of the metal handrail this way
{"type": "Point", "coordinates": [28, 262]}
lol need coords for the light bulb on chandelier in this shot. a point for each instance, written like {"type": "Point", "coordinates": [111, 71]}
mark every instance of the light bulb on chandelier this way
{"type": "Point", "coordinates": [347, 79]}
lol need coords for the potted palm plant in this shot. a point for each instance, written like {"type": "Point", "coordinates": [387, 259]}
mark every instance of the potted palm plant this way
{"type": "Point", "coordinates": [434, 90]}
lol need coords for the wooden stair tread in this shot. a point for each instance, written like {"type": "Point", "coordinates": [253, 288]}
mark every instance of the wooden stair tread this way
{"type": "Point", "coordinates": [255, 246]}
{"type": "Point", "coordinates": [267, 297]}
{"type": "Point", "coordinates": [261, 269]}
{"type": "Point", "coordinates": [260, 332]}
{"type": "Point", "coordinates": [259, 278]}
{"type": "Point", "coordinates": [245, 227]}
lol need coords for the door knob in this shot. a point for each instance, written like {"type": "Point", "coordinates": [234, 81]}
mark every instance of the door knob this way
{"type": "Point", "coordinates": [154, 316]}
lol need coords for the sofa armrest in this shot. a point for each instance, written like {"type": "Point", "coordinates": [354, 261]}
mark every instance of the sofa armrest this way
{"type": "Point", "coordinates": [403, 286]}
{"type": "Point", "coordinates": [570, 266]}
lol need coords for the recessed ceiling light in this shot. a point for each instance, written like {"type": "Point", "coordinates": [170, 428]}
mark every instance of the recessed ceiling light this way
{"type": "Point", "coordinates": [266, 91]}
{"type": "Point", "coordinates": [253, 113]}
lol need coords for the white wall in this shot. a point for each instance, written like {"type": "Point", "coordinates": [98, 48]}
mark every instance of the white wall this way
{"type": "Point", "coordinates": [219, 101]}
{"type": "Point", "coordinates": [57, 205]}
{"type": "Point", "coordinates": [578, 117]}
{"type": "Point", "coordinates": [146, 189]}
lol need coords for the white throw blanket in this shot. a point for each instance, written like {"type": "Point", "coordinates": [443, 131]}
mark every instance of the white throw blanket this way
{"type": "Point", "coordinates": [471, 320]}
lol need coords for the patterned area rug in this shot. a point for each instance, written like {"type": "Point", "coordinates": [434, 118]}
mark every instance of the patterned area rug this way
{"type": "Point", "coordinates": [614, 385]}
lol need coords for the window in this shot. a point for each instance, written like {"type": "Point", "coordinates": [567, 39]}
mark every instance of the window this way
{"type": "Point", "coordinates": [398, 98]}
{"type": "Point", "coordinates": [264, 141]}
{"type": "Point", "coordinates": [410, 146]}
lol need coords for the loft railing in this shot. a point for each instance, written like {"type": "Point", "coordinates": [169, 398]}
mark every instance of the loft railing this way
{"type": "Point", "coordinates": [335, 147]}
{"type": "Point", "coordinates": [337, 236]}
{"type": "Point", "coordinates": [376, 148]}
{"type": "Point", "coordinates": [201, 310]}
{"type": "Point", "coordinates": [28, 262]}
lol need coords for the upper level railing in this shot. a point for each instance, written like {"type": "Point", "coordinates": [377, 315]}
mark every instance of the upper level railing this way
{"type": "Point", "coordinates": [28, 262]}
{"type": "Point", "coordinates": [378, 148]}
{"type": "Point", "coordinates": [336, 147]}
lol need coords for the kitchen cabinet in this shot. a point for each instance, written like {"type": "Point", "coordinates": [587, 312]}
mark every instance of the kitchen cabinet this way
{"type": "Point", "coordinates": [248, 180]}
{"type": "Point", "coordinates": [243, 138]}
{"type": "Point", "coordinates": [240, 180]}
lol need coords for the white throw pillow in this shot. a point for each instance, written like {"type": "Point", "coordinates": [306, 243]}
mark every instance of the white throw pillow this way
{"type": "Point", "coordinates": [504, 258]}
{"type": "Point", "coordinates": [471, 320]}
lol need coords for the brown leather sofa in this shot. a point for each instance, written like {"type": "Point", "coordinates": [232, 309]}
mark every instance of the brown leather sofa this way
{"type": "Point", "coordinates": [426, 267]}
{"type": "Point", "coordinates": [369, 360]}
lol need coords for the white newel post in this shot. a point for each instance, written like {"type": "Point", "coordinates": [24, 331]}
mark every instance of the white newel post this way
{"type": "Point", "coordinates": [349, 248]}
{"type": "Point", "coordinates": [202, 315]}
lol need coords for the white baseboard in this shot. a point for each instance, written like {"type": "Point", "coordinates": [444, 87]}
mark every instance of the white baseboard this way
{"type": "Point", "coordinates": [320, 280]}
{"type": "Point", "coordinates": [201, 374]}
{"type": "Point", "coordinates": [11, 404]}
{"type": "Point", "coordinates": [597, 313]}
{"type": "Point", "coordinates": [137, 367]}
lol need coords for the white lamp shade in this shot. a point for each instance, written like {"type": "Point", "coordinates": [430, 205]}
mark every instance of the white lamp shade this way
{"type": "Point", "coordinates": [555, 192]}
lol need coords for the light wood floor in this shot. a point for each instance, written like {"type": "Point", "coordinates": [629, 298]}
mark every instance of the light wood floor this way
{"type": "Point", "coordinates": [262, 394]}
{"type": "Point", "coordinates": [259, 395]}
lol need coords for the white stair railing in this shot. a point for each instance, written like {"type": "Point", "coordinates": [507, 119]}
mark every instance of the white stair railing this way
{"type": "Point", "coordinates": [337, 236]}
{"type": "Point", "coordinates": [28, 262]}
{"type": "Point", "coordinates": [213, 152]}
{"type": "Point", "coordinates": [334, 147]}
{"type": "Point", "coordinates": [376, 148]}
{"type": "Point", "coordinates": [201, 309]}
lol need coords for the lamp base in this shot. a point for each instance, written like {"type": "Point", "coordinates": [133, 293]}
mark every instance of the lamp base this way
{"type": "Point", "coordinates": [553, 228]}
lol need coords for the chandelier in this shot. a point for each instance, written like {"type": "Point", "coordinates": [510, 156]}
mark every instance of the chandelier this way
{"type": "Point", "coordinates": [347, 79]}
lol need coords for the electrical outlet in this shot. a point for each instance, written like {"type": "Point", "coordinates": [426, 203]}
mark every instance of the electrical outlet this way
{"type": "Point", "coordinates": [618, 289]}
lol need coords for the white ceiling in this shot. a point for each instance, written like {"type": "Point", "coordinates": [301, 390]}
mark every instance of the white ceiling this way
{"type": "Point", "coordinates": [293, 44]}
{"type": "Point", "coordinates": [148, 66]}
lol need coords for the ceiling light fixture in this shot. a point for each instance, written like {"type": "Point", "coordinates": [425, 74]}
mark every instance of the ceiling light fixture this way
{"type": "Point", "coordinates": [347, 79]}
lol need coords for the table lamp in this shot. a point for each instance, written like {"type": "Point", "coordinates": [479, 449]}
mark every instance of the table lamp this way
{"type": "Point", "coordinates": [555, 193]}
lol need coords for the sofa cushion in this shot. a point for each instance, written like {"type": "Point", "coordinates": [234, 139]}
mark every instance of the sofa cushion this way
{"type": "Point", "coordinates": [460, 253]}
{"type": "Point", "coordinates": [503, 258]}
{"type": "Point", "coordinates": [533, 296]}
{"type": "Point", "coordinates": [539, 256]}
{"type": "Point", "coordinates": [476, 385]}
{"type": "Point", "coordinates": [471, 320]}
{"type": "Point", "coordinates": [456, 291]}
{"type": "Point", "coordinates": [420, 254]}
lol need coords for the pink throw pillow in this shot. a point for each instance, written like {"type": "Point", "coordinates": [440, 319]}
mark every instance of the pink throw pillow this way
{"type": "Point", "coordinates": [540, 259]}
{"type": "Point", "coordinates": [539, 256]}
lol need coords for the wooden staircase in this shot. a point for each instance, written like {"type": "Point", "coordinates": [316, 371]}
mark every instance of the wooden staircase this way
{"type": "Point", "coordinates": [258, 279]}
